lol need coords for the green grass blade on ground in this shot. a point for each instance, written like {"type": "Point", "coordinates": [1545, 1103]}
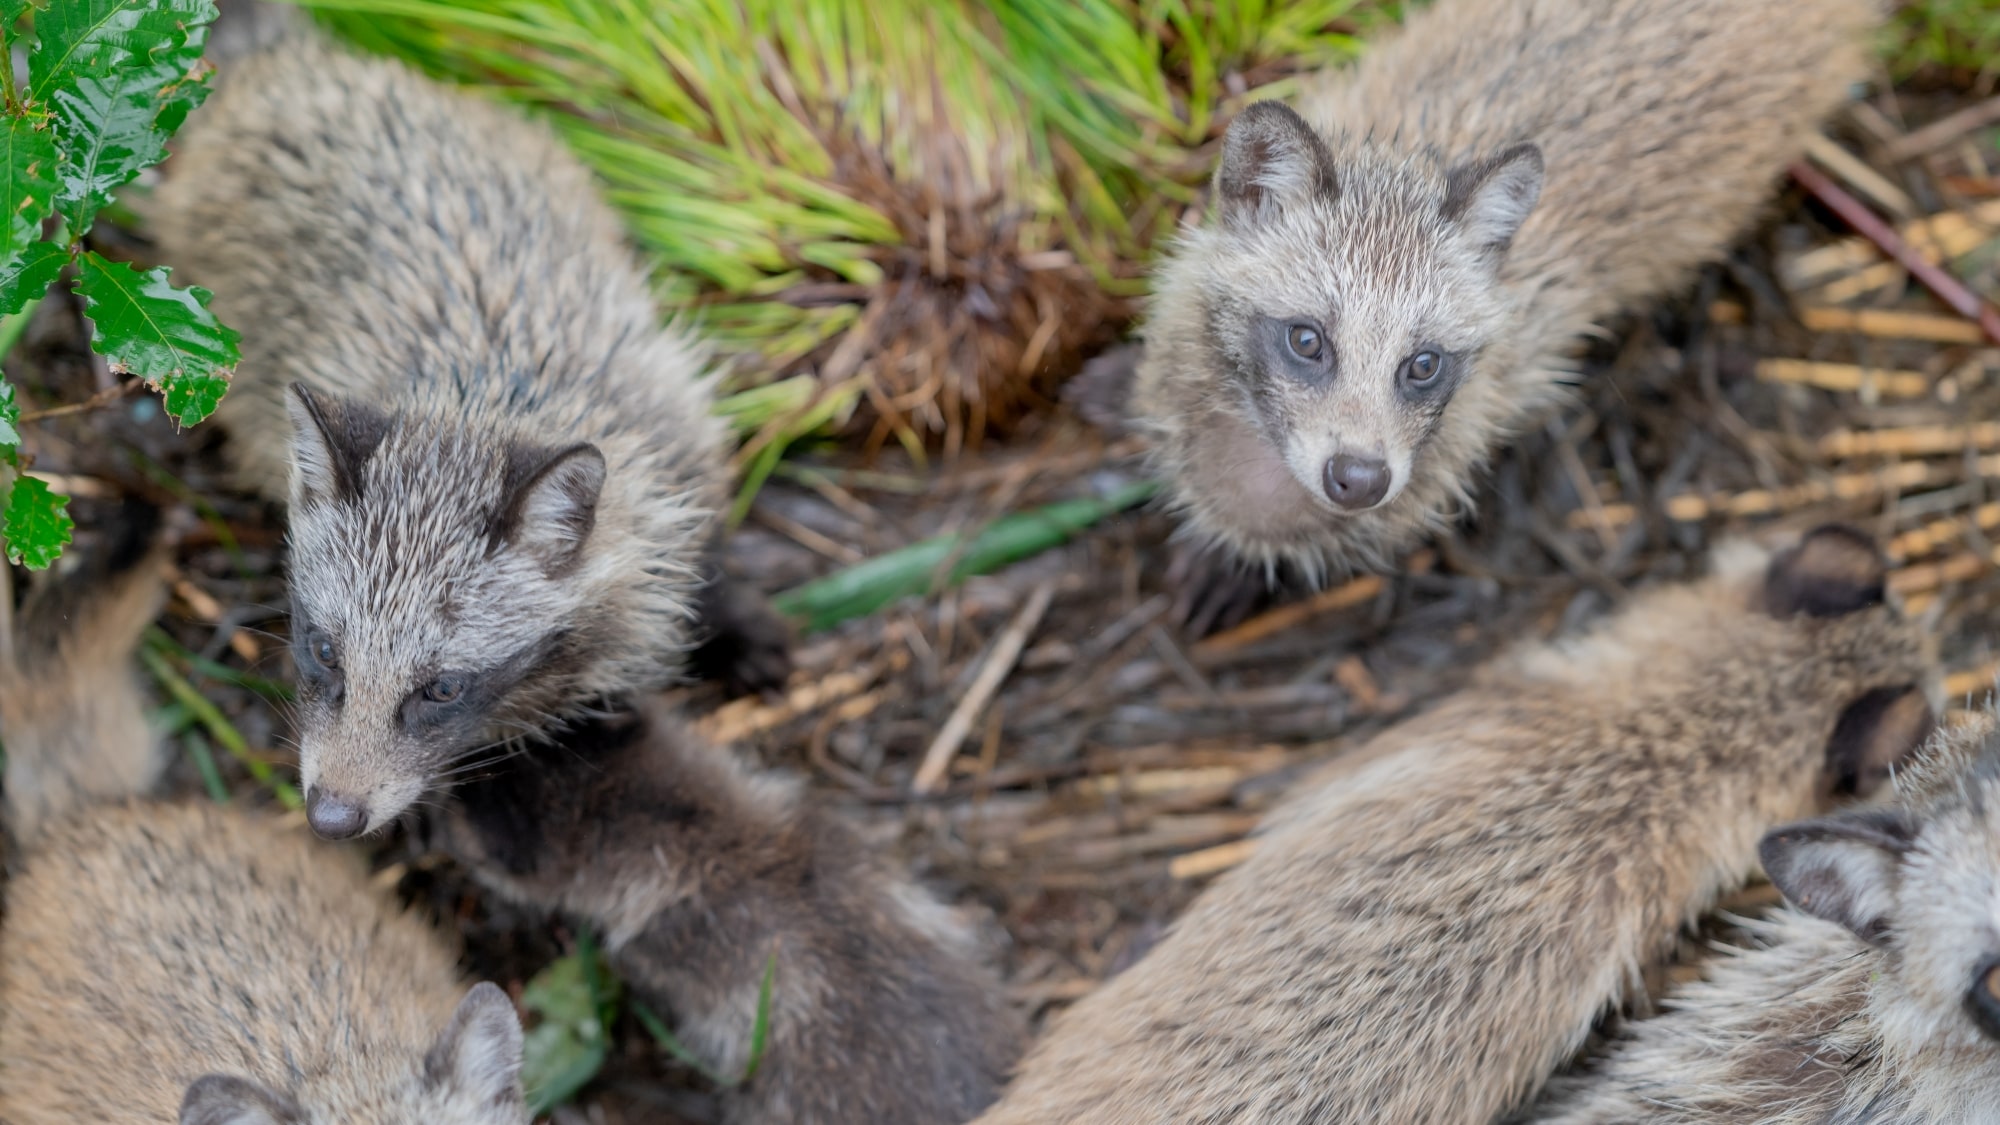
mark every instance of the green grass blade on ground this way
{"type": "Point", "coordinates": [869, 585]}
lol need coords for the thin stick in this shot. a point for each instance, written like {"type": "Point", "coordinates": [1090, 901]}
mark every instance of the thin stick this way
{"type": "Point", "coordinates": [1934, 278]}
{"type": "Point", "coordinates": [999, 662]}
{"type": "Point", "coordinates": [1860, 176]}
{"type": "Point", "coordinates": [1286, 616]}
{"type": "Point", "coordinates": [1921, 541]}
{"type": "Point", "coordinates": [1892, 324]}
{"type": "Point", "coordinates": [1209, 861]}
{"type": "Point", "coordinates": [101, 399]}
{"type": "Point", "coordinates": [1910, 441]}
{"type": "Point", "coordinates": [1845, 377]}
{"type": "Point", "coordinates": [1904, 476]}
{"type": "Point", "coordinates": [1944, 130]}
{"type": "Point", "coordinates": [1971, 681]}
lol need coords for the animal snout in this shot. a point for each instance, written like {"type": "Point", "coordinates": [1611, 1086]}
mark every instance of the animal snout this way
{"type": "Point", "coordinates": [334, 817]}
{"type": "Point", "coordinates": [1356, 483]}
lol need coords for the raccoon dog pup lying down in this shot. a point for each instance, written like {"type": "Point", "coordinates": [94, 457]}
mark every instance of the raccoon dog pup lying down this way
{"type": "Point", "coordinates": [1402, 264]}
{"type": "Point", "coordinates": [501, 470]}
{"type": "Point", "coordinates": [164, 961]}
{"type": "Point", "coordinates": [702, 875]}
{"type": "Point", "coordinates": [1425, 933]}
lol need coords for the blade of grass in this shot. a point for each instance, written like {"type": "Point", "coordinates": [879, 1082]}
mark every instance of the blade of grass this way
{"type": "Point", "coordinates": [867, 586]}
{"type": "Point", "coordinates": [204, 763]}
{"type": "Point", "coordinates": [218, 726]}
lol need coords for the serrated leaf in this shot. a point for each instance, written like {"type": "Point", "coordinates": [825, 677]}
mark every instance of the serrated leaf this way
{"type": "Point", "coordinates": [35, 523]}
{"type": "Point", "coordinates": [28, 189]}
{"type": "Point", "coordinates": [164, 335]}
{"type": "Point", "coordinates": [109, 132]}
{"type": "Point", "coordinates": [27, 274]}
{"type": "Point", "coordinates": [94, 38]}
{"type": "Point", "coordinates": [10, 417]}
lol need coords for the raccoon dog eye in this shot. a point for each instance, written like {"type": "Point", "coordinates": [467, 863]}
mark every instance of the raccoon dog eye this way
{"type": "Point", "coordinates": [1422, 369]}
{"type": "Point", "coordinates": [1982, 1002]}
{"type": "Point", "coordinates": [443, 690]}
{"type": "Point", "coordinates": [323, 652]}
{"type": "Point", "coordinates": [1305, 341]}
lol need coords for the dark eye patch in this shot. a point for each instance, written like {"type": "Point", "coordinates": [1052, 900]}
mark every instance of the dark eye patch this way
{"type": "Point", "coordinates": [454, 705]}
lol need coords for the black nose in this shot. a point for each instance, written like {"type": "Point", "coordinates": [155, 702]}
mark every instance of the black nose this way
{"type": "Point", "coordinates": [334, 818]}
{"type": "Point", "coordinates": [1355, 483]}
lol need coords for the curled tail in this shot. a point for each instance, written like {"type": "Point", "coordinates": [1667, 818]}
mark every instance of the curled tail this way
{"type": "Point", "coordinates": [72, 716]}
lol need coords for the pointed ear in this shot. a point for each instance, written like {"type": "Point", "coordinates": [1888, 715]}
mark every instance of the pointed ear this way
{"type": "Point", "coordinates": [331, 440]}
{"type": "Point", "coordinates": [1843, 869]}
{"type": "Point", "coordinates": [478, 1054]}
{"type": "Point", "coordinates": [552, 509]}
{"type": "Point", "coordinates": [1271, 160]}
{"type": "Point", "coordinates": [1875, 736]}
{"type": "Point", "coordinates": [1835, 570]}
{"type": "Point", "coordinates": [1492, 197]}
{"type": "Point", "coordinates": [224, 1099]}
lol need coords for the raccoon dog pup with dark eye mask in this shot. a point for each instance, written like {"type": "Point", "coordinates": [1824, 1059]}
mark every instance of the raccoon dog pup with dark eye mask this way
{"type": "Point", "coordinates": [1401, 265]}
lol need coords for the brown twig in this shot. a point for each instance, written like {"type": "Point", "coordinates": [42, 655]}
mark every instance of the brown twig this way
{"type": "Point", "coordinates": [1845, 377]}
{"type": "Point", "coordinates": [101, 399]}
{"type": "Point", "coordinates": [1870, 226]}
{"type": "Point", "coordinates": [1944, 130]}
{"type": "Point", "coordinates": [999, 662]}
{"type": "Point", "coordinates": [1286, 616]}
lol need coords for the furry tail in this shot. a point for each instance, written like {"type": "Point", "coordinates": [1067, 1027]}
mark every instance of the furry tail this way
{"type": "Point", "coordinates": [72, 715]}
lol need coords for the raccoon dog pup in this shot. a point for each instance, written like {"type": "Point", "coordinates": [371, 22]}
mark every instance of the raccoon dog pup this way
{"type": "Point", "coordinates": [1874, 996]}
{"type": "Point", "coordinates": [502, 471]}
{"type": "Point", "coordinates": [1424, 935]}
{"type": "Point", "coordinates": [700, 873]}
{"type": "Point", "coordinates": [1399, 269]}
{"type": "Point", "coordinates": [187, 962]}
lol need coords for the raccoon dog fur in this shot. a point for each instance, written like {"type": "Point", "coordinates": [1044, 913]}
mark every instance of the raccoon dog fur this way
{"type": "Point", "coordinates": [501, 471]}
{"type": "Point", "coordinates": [1401, 266]}
{"type": "Point", "coordinates": [1874, 996]}
{"type": "Point", "coordinates": [1423, 936]}
{"type": "Point", "coordinates": [190, 962]}
{"type": "Point", "coordinates": [702, 875]}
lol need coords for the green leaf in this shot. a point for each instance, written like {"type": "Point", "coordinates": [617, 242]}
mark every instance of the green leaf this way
{"type": "Point", "coordinates": [10, 417]}
{"type": "Point", "coordinates": [28, 190]}
{"type": "Point", "coordinates": [27, 274]}
{"type": "Point", "coordinates": [164, 335]}
{"type": "Point", "coordinates": [35, 523]}
{"type": "Point", "coordinates": [108, 126]}
{"type": "Point", "coordinates": [95, 38]}
{"type": "Point", "coordinates": [571, 999]}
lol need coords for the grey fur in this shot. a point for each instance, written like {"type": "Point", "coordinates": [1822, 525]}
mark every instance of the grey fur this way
{"type": "Point", "coordinates": [501, 470]}
{"type": "Point", "coordinates": [1640, 137]}
{"type": "Point", "coordinates": [702, 874]}
{"type": "Point", "coordinates": [1852, 1005]}
{"type": "Point", "coordinates": [165, 961]}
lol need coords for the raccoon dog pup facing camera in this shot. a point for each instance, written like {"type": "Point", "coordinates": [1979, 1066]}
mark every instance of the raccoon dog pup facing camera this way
{"type": "Point", "coordinates": [1401, 265]}
{"type": "Point", "coordinates": [1424, 934]}
{"type": "Point", "coordinates": [163, 961]}
{"type": "Point", "coordinates": [501, 470]}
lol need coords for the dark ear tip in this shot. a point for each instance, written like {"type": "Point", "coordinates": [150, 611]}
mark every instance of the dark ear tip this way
{"type": "Point", "coordinates": [1834, 570]}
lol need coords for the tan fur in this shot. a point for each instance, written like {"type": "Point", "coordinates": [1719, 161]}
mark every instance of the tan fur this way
{"type": "Point", "coordinates": [1662, 126]}
{"type": "Point", "coordinates": [148, 945]}
{"type": "Point", "coordinates": [700, 872]}
{"type": "Point", "coordinates": [445, 278]}
{"type": "Point", "coordinates": [72, 696]}
{"type": "Point", "coordinates": [1424, 939]}
{"type": "Point", "coordinates": [1813, 1025]}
